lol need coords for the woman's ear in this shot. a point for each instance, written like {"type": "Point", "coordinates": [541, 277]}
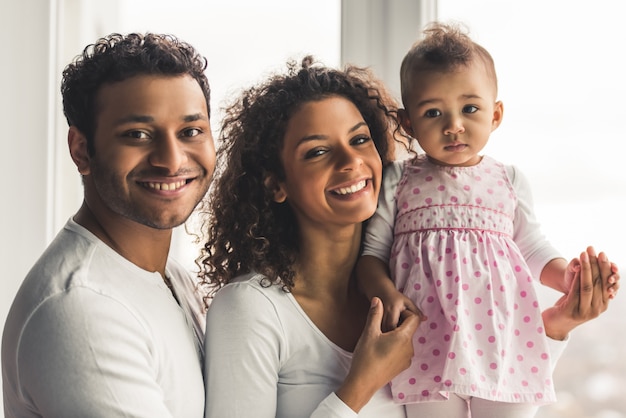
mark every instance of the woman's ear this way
{"type": "Point", "coordinates": [276, 188]}
{"type": "Point", "coordinates": [405, 122]}
{"type": "Point", "coordinates": [78, 150]}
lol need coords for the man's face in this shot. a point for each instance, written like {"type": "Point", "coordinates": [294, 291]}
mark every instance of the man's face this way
{"type": "Point", "coordinates": [154, 152]}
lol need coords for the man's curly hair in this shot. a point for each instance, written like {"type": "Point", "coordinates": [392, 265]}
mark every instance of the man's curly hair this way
{"type": "Point", "coordinates": [116, 58]}
{"type": "Point", "coordinates": [247, 231]}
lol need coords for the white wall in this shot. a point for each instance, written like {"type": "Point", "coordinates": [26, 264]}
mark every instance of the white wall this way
{"type": "Point", "coordinates": [24, 116]}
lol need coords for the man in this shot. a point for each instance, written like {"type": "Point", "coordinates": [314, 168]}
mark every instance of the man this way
{"type": "Point", "coordinates": [103, 325]}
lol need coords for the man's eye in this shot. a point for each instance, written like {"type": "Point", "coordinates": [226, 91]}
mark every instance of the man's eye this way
{"type": "Point", "coordinates": [137, 135]}
{"type": "Point", "coordinates": [191, 132]}
{"type": "Point", "coordinates": [470, 109]}
{"type": "Point", "coordinates": [432, 113]}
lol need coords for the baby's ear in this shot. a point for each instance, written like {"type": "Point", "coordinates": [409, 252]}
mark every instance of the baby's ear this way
{"type": "Point", "coordinates": [498, 114]}
{"type": "Point", "coordinates": [276, 188]}
{"type": "Point", "coordinates": [77, 143]}
{"type": "Point", "coordinates": [405, 122]}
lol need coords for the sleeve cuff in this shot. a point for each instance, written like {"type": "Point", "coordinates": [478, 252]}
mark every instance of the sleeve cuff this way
{"type": "Point", "coordinates": [556, 348]}
{"type": "Point", "coordinates": [333, 407]}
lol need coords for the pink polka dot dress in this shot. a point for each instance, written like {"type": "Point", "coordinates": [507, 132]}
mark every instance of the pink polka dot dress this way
{"type": "Point", "coordinates": [453, 254]}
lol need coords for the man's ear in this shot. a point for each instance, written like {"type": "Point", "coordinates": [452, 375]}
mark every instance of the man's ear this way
{"type": "Point", "coordinates": [271, 184]}
{"type": "Point", "coordinates": [77, 143]}
{"type": "Point", "coordinates": [498, 114]}
{"type": "Point", "coordinates": [405, 122]}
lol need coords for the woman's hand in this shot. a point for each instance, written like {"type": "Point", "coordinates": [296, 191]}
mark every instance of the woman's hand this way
{"type": "Point", "coordinates": [595, 282]}
{"type": "Point", "coordinates": [378, 357]}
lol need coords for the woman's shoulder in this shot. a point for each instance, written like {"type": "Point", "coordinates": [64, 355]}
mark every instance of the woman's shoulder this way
{"type": "Point", "coordinates": [249, 302]}
{"type": "Point", "coordinates": [250, 288]}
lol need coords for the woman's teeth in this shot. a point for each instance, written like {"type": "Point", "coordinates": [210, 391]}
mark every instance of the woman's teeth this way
{"type": "Point", "coordinates": [352, 189]}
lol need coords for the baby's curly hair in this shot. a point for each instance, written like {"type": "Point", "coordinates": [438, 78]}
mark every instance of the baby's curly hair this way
{"type": "Point", "coordinates": [444, 47]}
{"type": "Point", "coordinates": [118, 57]}
{"type": "Point", "coordinates": [246, 230]}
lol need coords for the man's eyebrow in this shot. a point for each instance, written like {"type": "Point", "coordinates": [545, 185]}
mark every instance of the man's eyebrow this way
{"type": "Point", "coordinates": [147, 119]}
{"type": "Point", "coordinates": [135, 119]}
{"type": "Point", "coordinates": [195, 117]}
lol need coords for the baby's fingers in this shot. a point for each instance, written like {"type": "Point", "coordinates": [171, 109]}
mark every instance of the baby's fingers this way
{"type": "Point", "coordinates": [391, 318]}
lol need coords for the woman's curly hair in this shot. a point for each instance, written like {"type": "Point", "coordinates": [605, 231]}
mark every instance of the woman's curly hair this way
{"type": "Point", "coordinates": [247, 231]}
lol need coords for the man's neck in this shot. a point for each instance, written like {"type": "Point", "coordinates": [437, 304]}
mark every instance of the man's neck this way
{"type": "Point", "coordinates": [146, 247]}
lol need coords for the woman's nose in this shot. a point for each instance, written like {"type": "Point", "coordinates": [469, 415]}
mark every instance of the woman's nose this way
{"type": "Point", "coordinates": [349, 159]}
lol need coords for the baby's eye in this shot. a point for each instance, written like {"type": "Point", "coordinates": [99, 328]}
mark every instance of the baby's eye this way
{"type": "Point", "coordinates": [432, 113]}
{"type": "Point", "coordinates": [470, 109]}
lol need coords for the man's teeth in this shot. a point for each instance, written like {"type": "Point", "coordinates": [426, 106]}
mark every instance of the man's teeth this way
{"type": "Point", "coordinates": [352, 189]}
{"type": "Point", "coordinates": [167, 186]}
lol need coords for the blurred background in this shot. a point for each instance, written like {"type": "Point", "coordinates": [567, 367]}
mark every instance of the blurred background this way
{"type": "Point", "coordinates": [560, 76]}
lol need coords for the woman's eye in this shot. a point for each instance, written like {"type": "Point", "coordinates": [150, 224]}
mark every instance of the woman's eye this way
{"type": "Point", "coordinates": [315, 152]}
{"type": "Point", "coordinates": [432, 113]}
{"type": "Point", "coordinates": [470, 109]}
{"type": "Point", "coordinates": [362, 139]}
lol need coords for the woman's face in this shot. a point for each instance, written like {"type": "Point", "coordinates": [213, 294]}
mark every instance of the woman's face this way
{"type": "Point", "coordinates": [332, 168]}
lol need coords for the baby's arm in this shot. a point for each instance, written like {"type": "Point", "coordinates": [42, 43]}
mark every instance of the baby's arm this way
{"type": "Point", "coordinates": [372, 270]}
{"type": "Point", "coordinates": [374, 280]}
{"type": "Point", "coordinates": [558, 274]}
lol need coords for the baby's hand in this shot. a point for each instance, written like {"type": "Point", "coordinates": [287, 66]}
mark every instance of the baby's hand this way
{"type": "Point", "coordinates": [573, 268]}
{"type": "Point", "coordinates": [394, 303]}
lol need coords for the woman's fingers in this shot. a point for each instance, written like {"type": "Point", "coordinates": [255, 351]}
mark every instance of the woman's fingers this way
{"type": "Point", "coordinates": [585, 287]}
{"type": "Point", "coordinates": [606, 277]}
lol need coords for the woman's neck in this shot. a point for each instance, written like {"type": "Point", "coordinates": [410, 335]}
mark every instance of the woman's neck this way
{"type": "Point", "coordinates": [327, 259]}
{"type": "Point", "coordinates": [324, 286]}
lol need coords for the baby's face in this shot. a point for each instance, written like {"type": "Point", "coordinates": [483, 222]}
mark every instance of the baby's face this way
{"type": "Point", "coordinates": [452, 114]}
